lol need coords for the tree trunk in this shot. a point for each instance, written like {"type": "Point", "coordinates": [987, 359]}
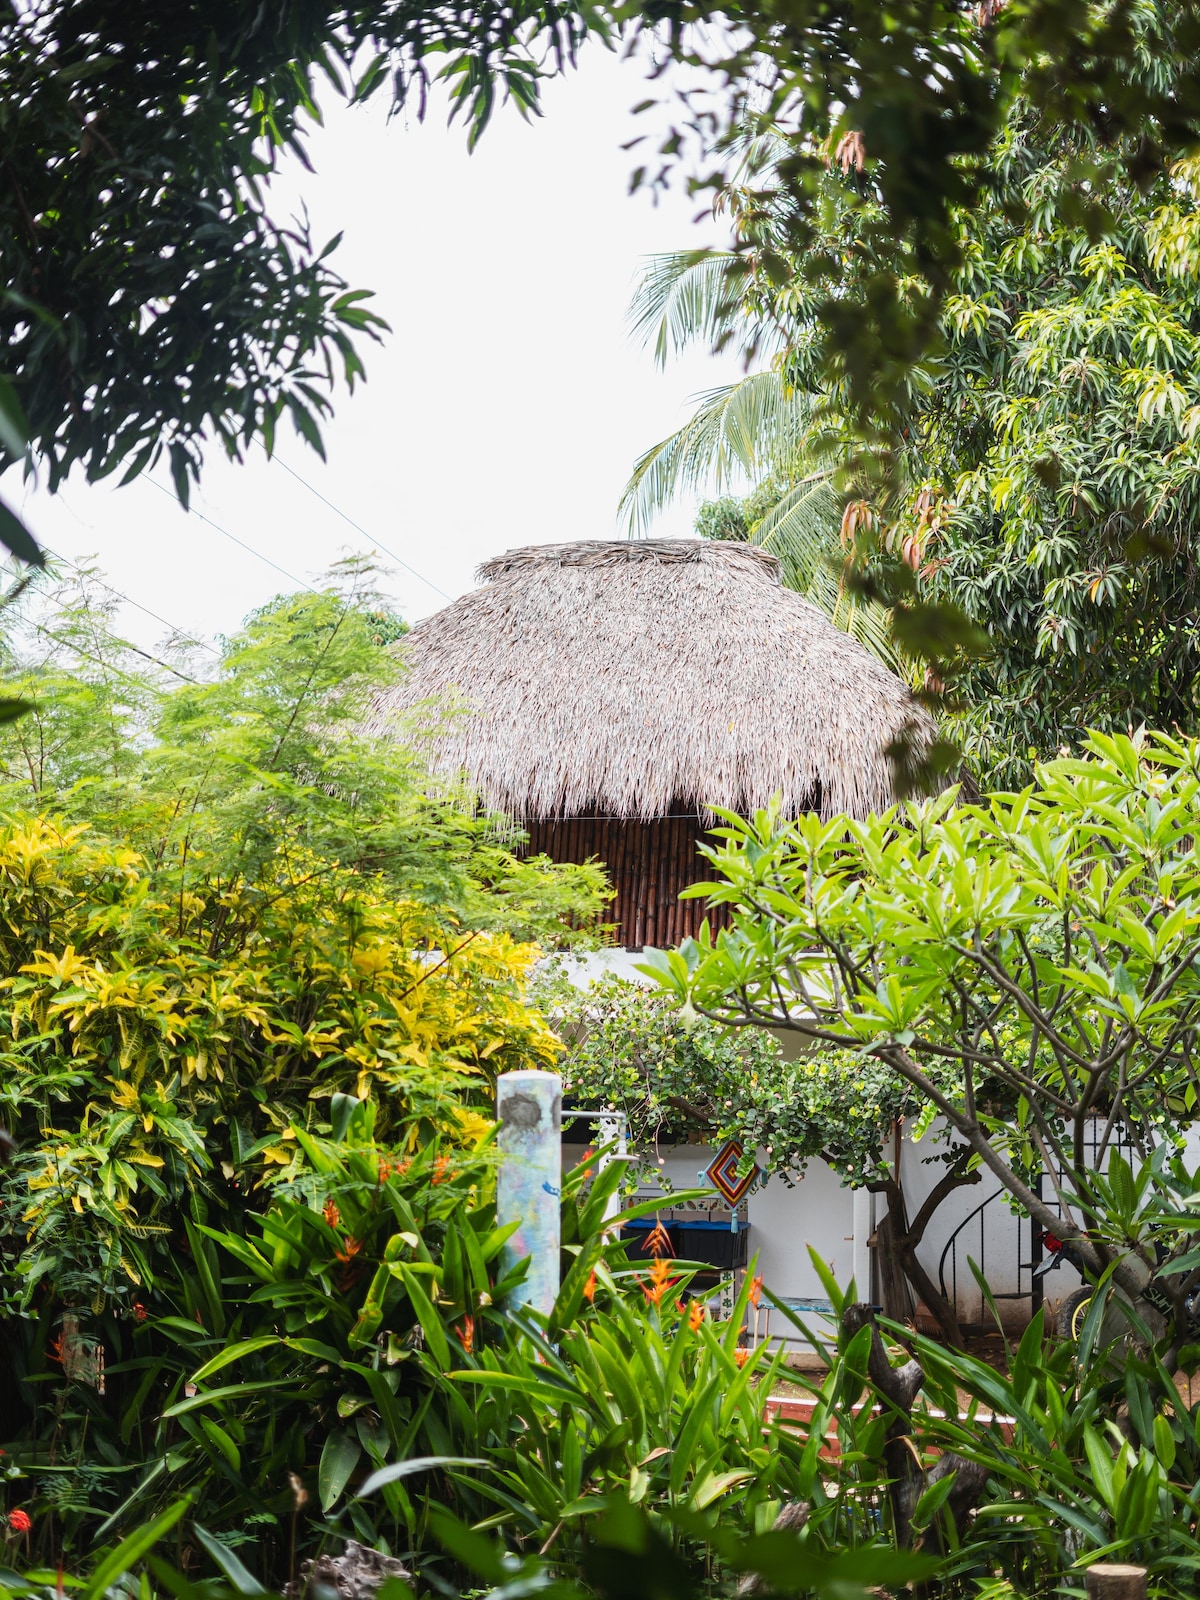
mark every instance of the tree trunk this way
{"type": "Point", "coordinates": [897, 1241]}
{"type": "Point", "coordinates": [895, 1288]}
{"type": "Point", "coordinates": [1109, 1580]}
{"type": "Point", "coordinates": [907, 1479]}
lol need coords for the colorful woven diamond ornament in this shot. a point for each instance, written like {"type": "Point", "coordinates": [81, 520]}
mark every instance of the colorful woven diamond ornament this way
{"type": "Point", "coordinates": [722, 1173]}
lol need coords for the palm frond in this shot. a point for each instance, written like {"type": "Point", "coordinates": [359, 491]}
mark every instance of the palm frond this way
{"type": "Point", "coordinates": [738, 433]}
{"type": "Point", "coordinates": [802, 530]}
{"type": "Point", "coordinates": [692, 297]}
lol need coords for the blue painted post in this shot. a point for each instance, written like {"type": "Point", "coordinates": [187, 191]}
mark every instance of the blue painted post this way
{"type": "Point", "coordinates": [529, 1110]}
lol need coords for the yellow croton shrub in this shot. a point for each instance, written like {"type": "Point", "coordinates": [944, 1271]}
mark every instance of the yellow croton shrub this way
{"type": "Point", "coordinates": [161, 1040]}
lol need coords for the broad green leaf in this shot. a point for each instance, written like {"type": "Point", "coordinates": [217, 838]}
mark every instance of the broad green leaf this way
{"type": "Point", "coordinates": [243, 1581]}
{"type": "Point", "coordinates": [714, 1485]}
{"type": "Point", "coordinates": [15, 536]}
{"type": "Point", "coordinates": [405, 1469]}
{"type": "Point", "coordinates": [339, 1458]}
{"type": "Point", "coordinates": [14, 430]}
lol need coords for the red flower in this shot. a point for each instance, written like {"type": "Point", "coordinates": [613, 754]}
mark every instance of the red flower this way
{"type": "Point", "coordinates": [20, 1521]}
{"type": "Point", "coordinates": [331, 1214]}
{"type": "Point", "coordinates": [466, 1334]}
{"type": "Point", "coordinates": [139, 1311]}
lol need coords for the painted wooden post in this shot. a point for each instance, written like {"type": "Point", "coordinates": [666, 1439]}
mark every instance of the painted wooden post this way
{"type": "Point", "coordinates": [1111, 1580]}
{"type": "Point", "coordinates": [529, 1110]}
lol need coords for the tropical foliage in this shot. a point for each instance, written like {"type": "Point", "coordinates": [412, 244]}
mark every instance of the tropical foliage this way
{"type": "Point", "coordinates": [1038, 486]}
{"type": "Point", "coordinates": [258, 983]}
{"type": "Point", "coordinates": [679, 1079]}
{"type": "Point", "coordinates": [156, 1047]}
{"type": "Point", "coordinates": [1040, 946]}
{"type": "Point", "coordinates": [1054, 472]}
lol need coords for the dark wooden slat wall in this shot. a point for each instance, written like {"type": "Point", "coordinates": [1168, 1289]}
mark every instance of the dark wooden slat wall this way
{"type": "Point", "coordinates": [649, 863]}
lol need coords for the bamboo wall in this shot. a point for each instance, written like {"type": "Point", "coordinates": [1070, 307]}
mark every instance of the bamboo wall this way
{"type": "Point", "coordinates": [648, 864]}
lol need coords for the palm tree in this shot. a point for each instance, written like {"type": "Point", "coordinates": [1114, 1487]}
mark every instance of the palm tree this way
{"type": "Point", "coordinates": [741, 434]}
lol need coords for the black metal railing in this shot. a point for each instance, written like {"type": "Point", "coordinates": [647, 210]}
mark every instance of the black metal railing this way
{"type": "Point", "coordinates": [969, 1241]}
{"type": "Point", "coordinates": [973, 1231]}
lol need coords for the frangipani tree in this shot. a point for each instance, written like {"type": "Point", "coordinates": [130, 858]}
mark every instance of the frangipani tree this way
{"type": "Point", "coordinates": [1042, 946]}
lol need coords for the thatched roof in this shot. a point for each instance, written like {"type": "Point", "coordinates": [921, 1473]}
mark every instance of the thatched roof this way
{"type": "Point", "coordinates": [630, 678]}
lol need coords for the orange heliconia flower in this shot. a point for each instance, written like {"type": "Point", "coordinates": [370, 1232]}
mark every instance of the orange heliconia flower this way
{"type": "Point", "coordinates": [755, 1290]}
{"type": "Point", "coordinates": [659, 1284]}
{"type": "Point", "coordinates": [741, 1355]}
{"type": "Point", "coordinates": [659, 1241]}
{"type": "Point", "coordinates": [441, 1170]}
{"type": "Point", "coordinates": [466, 1334]}
{"type": "Point", "coordinates": [589, 1288]}
{"type": "Point", "coordinates": [331, 1214]}
{"type": "Point", "coordinates": [695, 1315]}
{"type": "Point", "coordinates": [351, 1266]}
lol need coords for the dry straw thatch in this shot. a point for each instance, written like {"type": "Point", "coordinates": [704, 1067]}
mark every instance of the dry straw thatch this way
{"type": "Point", "coordinates": [632, 678]}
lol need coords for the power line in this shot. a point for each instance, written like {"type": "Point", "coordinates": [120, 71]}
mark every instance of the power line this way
{"type": "Point", "coordinates": [71, 644]}
{"type": "Point", "coordinates": [358, 527]}
{"type": "Point", "coordinates": [191, 638]}
{"type": "Point", "coordinates": [94, 577]}
{"type": "Point", "coordinates": [249, 548]}
{"type": "Point", "coordinates": [290, 576]}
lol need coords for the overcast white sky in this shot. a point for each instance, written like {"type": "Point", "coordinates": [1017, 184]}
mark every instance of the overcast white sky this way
{"type": "Point", "coordinates": [506, 407]}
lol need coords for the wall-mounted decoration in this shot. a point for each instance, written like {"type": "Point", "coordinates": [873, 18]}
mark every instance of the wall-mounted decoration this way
{"type": "Point", "coordinates": [722, 1173]}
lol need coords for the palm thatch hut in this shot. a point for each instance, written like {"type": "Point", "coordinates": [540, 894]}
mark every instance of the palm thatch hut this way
{"type": "Point", "coordinates": [614, 692]}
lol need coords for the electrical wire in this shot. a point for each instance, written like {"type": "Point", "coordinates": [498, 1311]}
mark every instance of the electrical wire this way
{"type": "Point", "coordinates": [71, 644]}
{"type": "Point", "coordinates": [358, 527]}
{"type": "Point", "coordinates": [191, 510]}
{"type": "Point", "coordinates": [94, 577]}
{"type": "Point", "coordinates": [185, 677]}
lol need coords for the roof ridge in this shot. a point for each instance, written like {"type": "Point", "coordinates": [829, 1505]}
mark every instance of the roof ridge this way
{"type": "Point", "coordinates": [623, 552]}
